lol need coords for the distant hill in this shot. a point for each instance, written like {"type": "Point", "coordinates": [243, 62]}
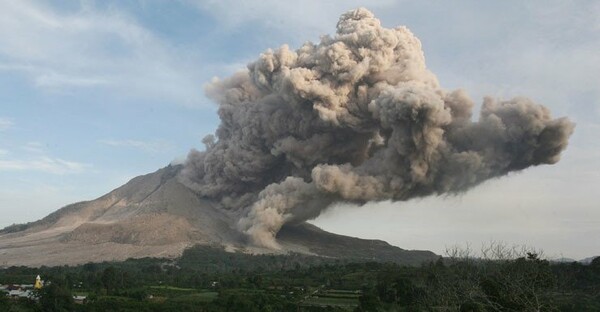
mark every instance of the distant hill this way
{"type": "Point", "coordinates": [585, 261]}
{"type": "Point", "coordinates": [156, 216]}
{"type": "Point", "coordinates": [588, 260]}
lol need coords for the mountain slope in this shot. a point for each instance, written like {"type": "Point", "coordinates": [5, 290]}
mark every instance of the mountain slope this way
{"type": "Point", "coordinates": [156, 216]}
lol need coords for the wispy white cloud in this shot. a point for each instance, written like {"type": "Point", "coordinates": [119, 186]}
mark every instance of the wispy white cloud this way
{"type": "Point", "coordinates": [148, 146]}
{"type": "Point", "coordinates": [43, 164]}
{"type": "Point", "coordinates": [93, 47]}
{"type": "Point", "coordinates": [5, 124]}
{"type": "Point", "coordinates": [58, 80]}
{"type": "Point", "coordinates": [32, 156]}
{"type": "Point", "coordinates": [312, 18]}
{"type": "Point", "coordinates": [34, 147]}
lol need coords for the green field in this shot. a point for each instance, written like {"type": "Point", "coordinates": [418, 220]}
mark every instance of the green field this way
{"type": "Point", "coordinates": [334, 298]}
{"type": "Point", "coordinates": [197, 297]}
{"type": "Point", "coordinates": [331, 301]}
{"type": "Point", "coordinates": [172, 288]}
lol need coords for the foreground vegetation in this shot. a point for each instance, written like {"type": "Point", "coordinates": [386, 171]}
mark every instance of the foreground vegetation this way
{"type": "Point", "coordinates": [209, 279]}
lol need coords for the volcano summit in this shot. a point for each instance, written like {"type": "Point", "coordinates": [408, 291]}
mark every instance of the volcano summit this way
{"type": "Point", "coordinates": [156, 216]}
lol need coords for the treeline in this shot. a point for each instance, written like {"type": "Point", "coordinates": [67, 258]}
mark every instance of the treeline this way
{"type": "Point", "coordinates": [209, 279]}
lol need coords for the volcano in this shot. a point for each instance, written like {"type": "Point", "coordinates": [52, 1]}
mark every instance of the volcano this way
{"type": "Point", "coordinates": [154, 215]}
{"type": "Point", "coordinates": [355, 118]}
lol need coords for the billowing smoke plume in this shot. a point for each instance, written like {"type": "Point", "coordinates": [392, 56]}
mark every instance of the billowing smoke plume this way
{"type": "Point", "coordinates": [355, 118]}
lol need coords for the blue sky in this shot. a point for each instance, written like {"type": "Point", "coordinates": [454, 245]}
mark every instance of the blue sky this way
{"type": "Point", "coordinates": [93, 93]}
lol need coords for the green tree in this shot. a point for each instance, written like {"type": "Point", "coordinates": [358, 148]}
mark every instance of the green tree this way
{"type": "Point", "coordinates": [369, 301]}
{"type": "Point", "coordinates": [4, 302]}
{"type": "Point", "coordinates": [55, 298]}
{"type": "Point", "coordinates": [110, 279]}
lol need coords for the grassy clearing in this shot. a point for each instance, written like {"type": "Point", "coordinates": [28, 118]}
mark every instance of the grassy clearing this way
{"type": "Point", "coordinates": [168, 291]}
{"type": "Point", "coordinates": [173, 288]}
{"type": "Point", "coordinates": [331, 301]}
{"type": "Point", "coordinates": [197, 297]}
{"type": "Point", "coordinates": [333, 295]}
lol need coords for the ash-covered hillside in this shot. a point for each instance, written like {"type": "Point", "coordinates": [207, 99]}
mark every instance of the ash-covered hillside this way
{"type": "Point", "coordinates": [154, 215]}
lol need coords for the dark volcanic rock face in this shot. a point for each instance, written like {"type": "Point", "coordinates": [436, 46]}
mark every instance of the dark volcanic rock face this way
{"type": "Point", "coordinates": [156, 216]}
{"type": "Point", "coordinates": [339, 246]}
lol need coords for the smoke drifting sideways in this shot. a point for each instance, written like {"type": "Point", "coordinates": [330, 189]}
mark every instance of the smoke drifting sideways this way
{"type": "Point", "coordinates": [355, 118]}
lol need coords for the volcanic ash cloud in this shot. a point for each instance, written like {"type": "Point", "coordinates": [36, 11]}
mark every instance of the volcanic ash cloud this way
{"type": "Point", "coordinates": [355, 118]}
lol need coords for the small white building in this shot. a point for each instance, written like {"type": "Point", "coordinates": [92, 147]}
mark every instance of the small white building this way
{"type": "Point", "coordinates": [20, 293]}
{"type": "Point", "coordinates": [79, 299]}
